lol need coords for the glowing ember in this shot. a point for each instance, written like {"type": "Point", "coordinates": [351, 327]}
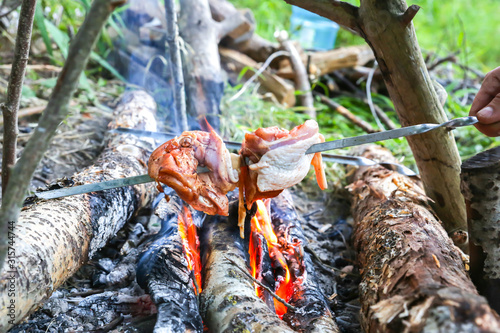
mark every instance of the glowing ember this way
{"type": "Point", "coordinates": [261, 223]}
{"type": "Point", "coordinates": [190, 243]}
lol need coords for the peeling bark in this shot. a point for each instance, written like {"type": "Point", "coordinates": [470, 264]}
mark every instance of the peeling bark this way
{"type": "Point", "coordinates": [313, 314]}
{"type": "Point", "coordinates": [480, 187]}
{"type": "Point", "coordinates": [228, 302]}
{"type": "Point", "coordinates": [54, 238]}
{"type": "Point", "coordinates": [163, 272]}
{"type": "Point", "coordinates": [413, 277]}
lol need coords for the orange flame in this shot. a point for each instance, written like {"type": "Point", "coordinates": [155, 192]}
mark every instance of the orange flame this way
{"type": "Point", "coordinates": [261, 223]}
{"type": "Point", "coordinates": [191, 244]}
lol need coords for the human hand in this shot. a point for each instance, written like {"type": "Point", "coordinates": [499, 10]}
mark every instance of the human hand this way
{"type": "Point", "coordinates": [486, 104]}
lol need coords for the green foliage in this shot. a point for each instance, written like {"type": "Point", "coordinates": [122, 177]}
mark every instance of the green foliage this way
{"type": "Point", "coordinates": [53, 20]}
{"type": "Point", "coordinates": [270, 15]}
{"type": "Point", "coordinates": [442, 27]}
{"type": "Point", "coordinates": [449, 26]}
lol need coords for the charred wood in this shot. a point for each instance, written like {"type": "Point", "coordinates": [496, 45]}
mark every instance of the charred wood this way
{"type": "Point", "coordinates": [480, 186]}
{"type": "Point", "coordinates": [54, 238]}
{"type": "Point", "coordinates": [263, 267]}
{"type": "Point", "coordinates": [312, 313]}
{"type": "Point", "coordinates": [163, 272]}
{"type": "Point", "coordinates": [228, 302]}
{"type": "Point", "coordinates": [413, 277]}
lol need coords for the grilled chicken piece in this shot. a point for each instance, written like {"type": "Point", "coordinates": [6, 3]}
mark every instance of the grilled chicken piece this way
{"type": "Point", "coordinates": [277, 160]}
{"type": "Point", "coordinates": [174, 164]}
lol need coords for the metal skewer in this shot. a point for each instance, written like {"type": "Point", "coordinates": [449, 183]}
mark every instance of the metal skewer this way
{"type": "Point", "coordinates": [319, 147]}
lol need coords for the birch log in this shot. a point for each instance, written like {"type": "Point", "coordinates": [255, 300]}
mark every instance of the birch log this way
{"type": "Point", "coordinates": [387, 27]}
{"type": "Point", "coordinates": [228, 302]}
{"type": "Point", "coordinates": [480, 187]}
{"type": "Point", "coordinates": [414, 278]}
{"type": "Point", "coordinates": [54, 238]}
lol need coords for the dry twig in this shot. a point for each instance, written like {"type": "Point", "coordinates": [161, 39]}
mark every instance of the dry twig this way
{"type": "Point", "coordinates": [346, 114]}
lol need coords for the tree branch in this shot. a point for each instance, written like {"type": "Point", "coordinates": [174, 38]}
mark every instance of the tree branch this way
{"type": "Point", "coordinates": [176, 60]}
{"type": "Point", "coordinates": [341, 12]}
{"type": "Point", "coordinates": [16, 80]}
{"type": "Point", "coordinates": [301, 79]}
{"type": "Point", "coordinates": [56, 111]}
{"type": "Point", "coordinates": [409, 14]}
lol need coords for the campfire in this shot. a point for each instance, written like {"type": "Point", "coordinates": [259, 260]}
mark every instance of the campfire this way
{"type": "Point", "coordinates": [191, 246]}
{"type": "Point", "coordinates": [202, 232]}
{"type": "Point", "coordinates": [262, 230]}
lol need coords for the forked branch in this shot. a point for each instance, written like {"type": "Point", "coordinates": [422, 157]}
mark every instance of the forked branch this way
{"type": "Point", "coordinates": [341, 12]}
{"type": "Point", "coordinates": [16, 79]}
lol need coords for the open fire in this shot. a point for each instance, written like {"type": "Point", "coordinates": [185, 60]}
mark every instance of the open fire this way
{"type": "Point", "coordinates": [278, 252]}
{"type": "Point", "coordinates": [261, 223]}
{"type": "Point", "coordinates": [191, 245]}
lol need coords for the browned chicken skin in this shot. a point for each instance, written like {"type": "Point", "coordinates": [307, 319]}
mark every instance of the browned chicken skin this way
{"type": "Point", "coordinates": [174, 164]}
{"type": "Point", "coordinates": [275, 159]}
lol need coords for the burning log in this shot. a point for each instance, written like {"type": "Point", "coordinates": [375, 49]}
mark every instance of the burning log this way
{"type": "Point", "coordinates": [413, 277]}
{"type": "Point", "coordinates": [236, 61]}
{"type": "Point", "coordinates": [229, 301]}
{"type": "Point", "coordinates": [54, 238]}
{"type": "Point", "coordinates": [480, 184]}
{"type": "Point", "coordinates": [164, 272]}
{"type": "Point", "coordinates": [312, 313]}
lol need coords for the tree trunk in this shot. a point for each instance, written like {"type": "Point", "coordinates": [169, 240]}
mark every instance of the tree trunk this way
{"type": "Point", "coordinates": [413, 278]}
{"type": "Point", "coordinates": [53, 239]}
{"type": "Point", "coordinates": [204, 85]}
{"type": "Point", "coordinates": [480, 186]}
{"type": "Point", "coordinates": [301, 79]}
{"type": "Point", "coordinates": [387, 28]}
{"type": "Point", "coordinates": [325, 62]}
